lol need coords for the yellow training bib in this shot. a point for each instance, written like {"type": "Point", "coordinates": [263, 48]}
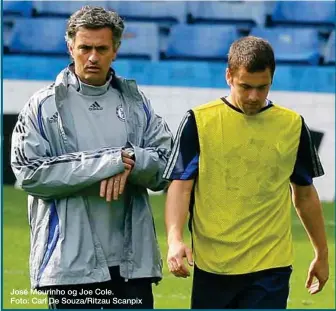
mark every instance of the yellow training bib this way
{"type": "Point", "coordinates": [241, 220]}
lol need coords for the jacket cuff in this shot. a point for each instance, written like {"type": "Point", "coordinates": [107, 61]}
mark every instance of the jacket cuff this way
{"type": "Point", "coordinates": [145, 166]}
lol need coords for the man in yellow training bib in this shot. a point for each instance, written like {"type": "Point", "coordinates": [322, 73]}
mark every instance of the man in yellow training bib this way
{"type": "Point", "coordinates": [235, 165]}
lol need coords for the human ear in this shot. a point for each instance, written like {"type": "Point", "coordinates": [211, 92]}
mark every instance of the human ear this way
{"type": "Point", "coordinates": [70, 48]}
{"type": "Point", "coordinates": [228, 77]}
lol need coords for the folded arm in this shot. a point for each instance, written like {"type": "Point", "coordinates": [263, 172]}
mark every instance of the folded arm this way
{"type": "Point", "coordinates": [52, 177]}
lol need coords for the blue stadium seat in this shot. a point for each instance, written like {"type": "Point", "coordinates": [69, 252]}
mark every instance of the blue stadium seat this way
{"type": "Point", "coordinates": [7, 34]}
{"type": "Point", "coordinates": [329, 52]}
{"type": "Point", "coordinates": [270, 5]}
{"type": "Point", "coordinates": [239, 13]}
{"type": "Point", "coordinates": [317, 13]}
{"type": "Point", "coordinates": [38, 36]}
{"type": "Point", "coordinates": [17, 8]}
{"type": "Point", "coordinates": [140, 40]}
{"type": "Point", "coordinates": [208, 42]}
{"type": "Point", "coordinates": [153, 11]}
{"type": "Point", "coordinates": [292, 45]}
{"type": "Point", "coordinates": [62, 8]}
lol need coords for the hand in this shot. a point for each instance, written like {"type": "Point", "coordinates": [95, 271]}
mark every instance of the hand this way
{"type": "Point", "coordinates": [319, 269]}
{"type": "Point", "coordinates": [114, 186]}
{"type": "Point", "coordinates": [177, 251]}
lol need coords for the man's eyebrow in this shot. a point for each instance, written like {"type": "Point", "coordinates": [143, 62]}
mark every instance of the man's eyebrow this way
{"type": "Point", "coordinates": [245, 84]}
{"type": "Point", "coordinates": [91, 46]}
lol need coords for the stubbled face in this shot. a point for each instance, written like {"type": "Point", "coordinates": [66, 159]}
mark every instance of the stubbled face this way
{"type": "Point", "coordinates": [249, 90]}
{"type": "Point", "coordinates": [93, 52]}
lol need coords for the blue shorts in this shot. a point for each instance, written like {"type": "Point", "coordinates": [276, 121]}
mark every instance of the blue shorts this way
{"type": "Point", "coordinates": [266, 289]}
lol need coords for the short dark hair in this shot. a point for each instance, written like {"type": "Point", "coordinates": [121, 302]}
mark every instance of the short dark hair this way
{"type": "Point", "coordinates": [253, 53]}
{"type": "Point", "coordinates": [95, 18]}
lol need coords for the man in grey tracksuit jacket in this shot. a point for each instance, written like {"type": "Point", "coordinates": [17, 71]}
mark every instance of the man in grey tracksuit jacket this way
{"type": "Point", "coordinates": [69, 137]}
{"type": "Point", "coordinates": [49, 167]}
{"type": "Point", "coordinates": [46, 161]}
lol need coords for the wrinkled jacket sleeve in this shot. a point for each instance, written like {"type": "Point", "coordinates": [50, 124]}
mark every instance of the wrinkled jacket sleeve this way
{"type": "Point", "coordinates": [150, 161]}
{"type": "Point", "coordinates": [52, 177]}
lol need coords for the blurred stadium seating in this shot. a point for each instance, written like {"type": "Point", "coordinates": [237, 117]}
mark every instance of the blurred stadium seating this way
{"type": "Point", "coordinates": [243, 14]}
{"type": "Point", "coordinates": [48, 34]}
{"type": "Point", "coordinates": [206, 42]}
{"type": "Point", "coordinates": [17, 8]}
{"type": "Point", "coordinates": [169, 29]}
{"type": "Point", "coordinates": [300, 13]}
{"type": "Point", "coordinates": [164, 12]}
{"type": "Point", "coordinates": [136, 42]}
{"type": "Point", "coordinates": [61, 8]}
{"type": "Point", "coordinates": [7, 34]}
{"type": "Point", "coordinates": [329, 52]}
{"type": "Point", "coordinates": [292, 45]}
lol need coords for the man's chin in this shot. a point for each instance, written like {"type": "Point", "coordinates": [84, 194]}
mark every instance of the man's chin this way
{"type": "Point", "coordinates": [251, 112]}
{"type": "Point", "coordinates": [251, 109]}
{"type": "Point", "coordinates": [94, 79]}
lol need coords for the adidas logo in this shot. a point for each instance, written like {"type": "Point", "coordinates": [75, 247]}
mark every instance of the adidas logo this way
{"type": "Point", "coordinates": [95, 106]}
{"type": "Point", "coordinates": [53, 118]}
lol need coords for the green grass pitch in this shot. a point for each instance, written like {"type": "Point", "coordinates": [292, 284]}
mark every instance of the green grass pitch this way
{"type": "Point", "coordinates": [171, 292]}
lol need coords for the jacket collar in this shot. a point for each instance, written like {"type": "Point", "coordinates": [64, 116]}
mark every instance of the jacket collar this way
{"type": "Point", "coordinates": [66, 77]}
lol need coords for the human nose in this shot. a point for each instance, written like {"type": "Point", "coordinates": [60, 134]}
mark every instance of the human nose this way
{"type": "Point", "coordinates": [253, 95]}
{"type": "Point", "coordinates": [93, 58]}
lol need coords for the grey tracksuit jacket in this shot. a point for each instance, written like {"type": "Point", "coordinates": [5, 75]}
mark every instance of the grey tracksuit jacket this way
{"type": "Point", "coordinates": [64, 247]}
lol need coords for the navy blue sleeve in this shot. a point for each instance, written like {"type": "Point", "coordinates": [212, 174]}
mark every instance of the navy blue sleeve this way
{"type": "Point", "coordinates": [308, 164]}
{"type": "Point", "coordinates": [183, 162]}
